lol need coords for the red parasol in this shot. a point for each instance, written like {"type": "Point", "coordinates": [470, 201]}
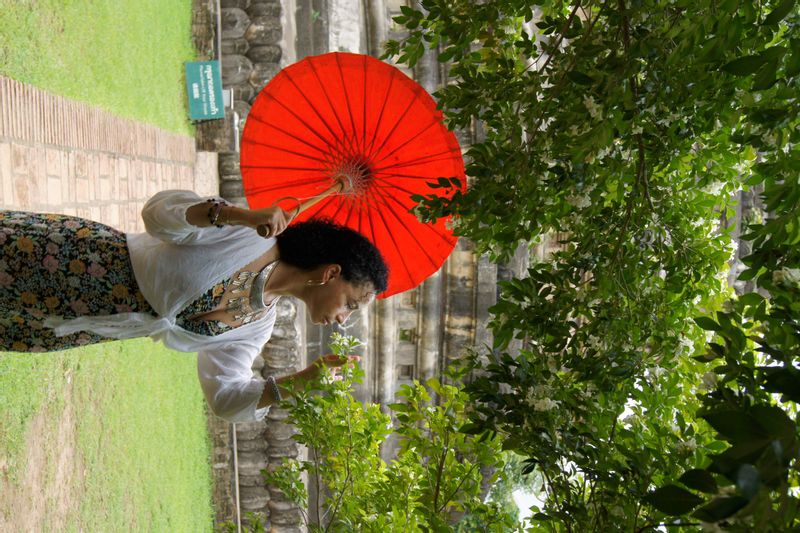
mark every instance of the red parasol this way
{"type": "Point", "coordinates": [346, 121]}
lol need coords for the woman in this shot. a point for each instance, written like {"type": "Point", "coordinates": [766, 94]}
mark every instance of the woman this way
{"type": "Point", "coordinates": [200, 280]}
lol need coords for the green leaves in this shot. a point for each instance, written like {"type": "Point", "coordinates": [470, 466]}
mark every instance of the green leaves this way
{"type": "Point", "coordinates": [779, 13]}
{"type": "Point", "coordinates": [753, 460]}
{"type": "Point", "coordinates": [673, 500]}
{"type": "Point", "coordinates": [707, 323]}
{"type": "Point", "coordinates": [610, 149]}
{"type": "Point", "coordinates": [700, 480]}
{"type": "Point", "coordinates": [438, 469]}
{"type": "Point", "coordinates": [766, 76]}
{"type": "Point", "coordinates": [744, 66]}
{"type": "Point", "coordinates": [764, 65]}
{"type": "Point", "coordinates": [445, 183]}
{"type": "Point", "coordinates": [737, 426]}
{"type": "Point", "coordinates": [579, 77]}
{"type": "Point", "coordinates": [720, 508]}
{"type": "Point", "coordinates": [783, 380]}
{"type": "Point", "coordinates": [775, 421]}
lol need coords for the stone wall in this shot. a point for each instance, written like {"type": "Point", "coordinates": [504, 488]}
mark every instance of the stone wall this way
{"type": "Point", "coordinates": [251, 33]}
{"type": "Point", "coordinates": [411, 336]}
{"type": "Point", "coordinates": [280, 356]}
{"type": "Point", "coordinates": [261, 445]}
{"type": "Point", "coordinates": [207, 138]}
{"type": "Point", "coordinates": [210, 135]}
{"type": "Point", "coordinates": [203, 29]}
{"type": "Point", "coordinates": [223, 498]}
{"type": "Point", "coordinates": [251, 55]}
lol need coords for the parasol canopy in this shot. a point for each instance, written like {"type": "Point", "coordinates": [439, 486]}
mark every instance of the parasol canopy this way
{"type": "Point", "coordinates": [354, 120]}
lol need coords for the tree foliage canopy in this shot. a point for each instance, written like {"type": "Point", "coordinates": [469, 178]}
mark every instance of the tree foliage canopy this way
{"type": "Point", "coordinates": [624, 368]}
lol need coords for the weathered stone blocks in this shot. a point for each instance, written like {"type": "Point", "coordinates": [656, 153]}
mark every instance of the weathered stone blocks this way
{"type": "Point", "coordinates": [278, 414]}
{"type": "Point", "coordinates": [235, 46]}
{"type": "Point", "coordinates": [277, 358]}
{"type": "Point", "coordinates": [234, 22]}
{"type": "Point", "coordinates": [236, 69]}
{"type": "Point", "coordinates": [262, 73]}
{"type": "Point", "coordinates": [284, 514]}
{"type": "Point", "coordinates": [279, 431]}
{"type": "Point", "coordinates": [216, 135]}
{"type": "Point", "coordinates": [252, 462]}
{"type": "Point", "coordinates": [244, 92]}
{"type": "Point", "coordinates": [263, 30]}
{"type": "Point", "coordinates": [228, 164]}
{"type": "Point", "coordinates": [231, 189]}
{"type": "Point", "coordinates": [264, 9]}
{"type": "Point", "coordinates": [266, 53]}
{"type": "Point", "coordinates": [241, 4]}
{"type": "Point", "coordinates": [251, 480]}
{"type": "Point", "coordinates": [255, 498]}
{"type": "Point", "coordinates": [277, 452]}
{"type": "Point", "coordinates": [252, 430]}
{"type": "Point", "coordinates": [255, 445]}
{"type": "Point", "coordinates": [289, 529]}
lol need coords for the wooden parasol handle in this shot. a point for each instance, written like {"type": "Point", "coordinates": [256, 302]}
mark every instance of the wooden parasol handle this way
{"type": "Point", "coordinates": [343, 183]}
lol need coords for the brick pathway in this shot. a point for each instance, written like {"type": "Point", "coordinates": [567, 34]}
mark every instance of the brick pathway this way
{"type": "Point", "coordinates": [61, 156]}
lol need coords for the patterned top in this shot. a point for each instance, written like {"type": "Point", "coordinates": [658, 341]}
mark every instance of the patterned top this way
{"type": "Point", "coordinates": [206, 302]}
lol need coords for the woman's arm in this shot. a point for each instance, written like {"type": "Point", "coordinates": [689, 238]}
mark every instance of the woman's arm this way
{"type": "Point", "coordinates": [293, 383]}
{"type": "Point", "coordinates": [234, 394]}
{"type": "Point", "coordinates": [274, 219]}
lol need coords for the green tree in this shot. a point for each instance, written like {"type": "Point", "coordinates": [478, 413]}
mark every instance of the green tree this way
{"type": "Point", "coordinates": [624, 127]}
{"type": "Point", "coordinates": [500, 493]}
{"type": "Point", "coordinates": [437, 471]}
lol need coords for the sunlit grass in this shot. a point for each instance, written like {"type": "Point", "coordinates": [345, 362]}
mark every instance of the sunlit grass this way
{"type": "Point", "coordinates": [123, 55]}
{"type": "Point", "coordinates": [141, 434]}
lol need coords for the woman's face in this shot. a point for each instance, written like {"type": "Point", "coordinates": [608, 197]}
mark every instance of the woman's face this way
{"type": "Point", "coordinates": [337, 299]}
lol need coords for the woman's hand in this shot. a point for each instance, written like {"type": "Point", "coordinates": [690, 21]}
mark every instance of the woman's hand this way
{"type": "Point", "coordinates": [293, 383]}
{"type": "Point", "coordinates": [269, 221]}
{"type": "Point", "coordinates": [332, 362]}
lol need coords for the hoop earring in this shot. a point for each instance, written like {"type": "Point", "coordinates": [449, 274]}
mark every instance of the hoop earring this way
{"type": "Point", "coordinates": [316, 283]}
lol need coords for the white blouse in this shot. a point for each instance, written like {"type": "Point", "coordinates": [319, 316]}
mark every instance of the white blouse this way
{"type": "Point", "coordinates": [174, 263]}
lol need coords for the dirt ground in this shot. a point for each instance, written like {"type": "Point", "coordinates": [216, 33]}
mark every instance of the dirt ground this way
{"type": "Point", "coordinates": [50, 478]}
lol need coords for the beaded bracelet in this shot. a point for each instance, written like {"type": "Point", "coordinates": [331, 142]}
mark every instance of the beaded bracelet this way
{"type": "Point", "coordinates": [214, 211]}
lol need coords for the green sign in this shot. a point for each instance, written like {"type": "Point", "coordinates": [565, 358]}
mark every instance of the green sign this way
{"type": "Point", "coordinates": [204, 87]}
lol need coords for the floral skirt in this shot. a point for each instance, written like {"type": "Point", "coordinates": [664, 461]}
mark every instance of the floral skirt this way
{"type": "Point", "coordinates": [58, 265]}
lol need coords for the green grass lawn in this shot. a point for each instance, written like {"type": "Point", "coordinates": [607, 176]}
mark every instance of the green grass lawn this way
{"type": "Point", "coordinates": [123, 55]}
{"type": "Point", "coordinates": [140, 433]}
